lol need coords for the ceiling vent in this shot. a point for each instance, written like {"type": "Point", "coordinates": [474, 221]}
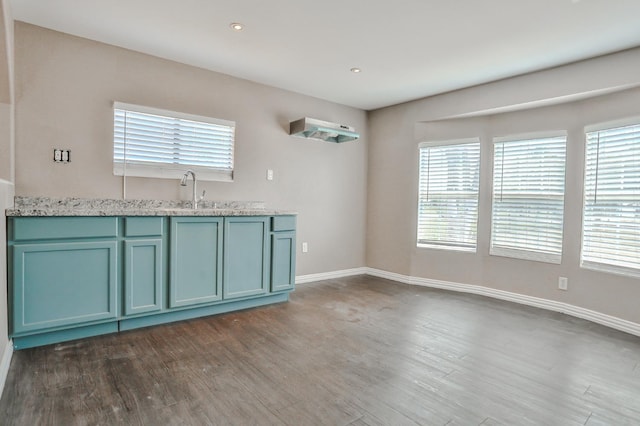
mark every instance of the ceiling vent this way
{"type": "Point", "coordinates": [310, 128]}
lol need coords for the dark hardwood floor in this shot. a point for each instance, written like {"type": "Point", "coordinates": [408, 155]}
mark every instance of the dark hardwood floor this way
{"type": "Point", "coordinates": [354, 351]}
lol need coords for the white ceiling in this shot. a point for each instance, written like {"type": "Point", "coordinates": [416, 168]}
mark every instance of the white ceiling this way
{"type": "Point", "coordinates": [407, 49]}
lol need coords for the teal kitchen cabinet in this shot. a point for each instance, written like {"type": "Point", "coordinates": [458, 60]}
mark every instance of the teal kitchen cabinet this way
{"type": "Point", "coordinates": [246, 257]}
{"type": "Point", "coordinates": [283, 253]}
{"type": "Point", "coordinates": [75, 277]}
{"type": "Point", "coordinates": [195, 260]}
{"type": "Point", "coordinates": [59, 282]}
{"type": "Point", "coordinates": [143, 267]}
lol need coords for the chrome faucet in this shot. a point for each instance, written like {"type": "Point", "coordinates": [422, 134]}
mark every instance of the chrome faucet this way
{"type": "Point", "coordinates": [183, 182]}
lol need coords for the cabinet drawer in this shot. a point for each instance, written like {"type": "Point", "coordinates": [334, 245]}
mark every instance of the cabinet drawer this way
{"type": "Point", "coordinates": [143, 226]}
{"type": "Point", "coordinates": [283, 223]}
{"type": "Point", "coordinates": [42, 228]}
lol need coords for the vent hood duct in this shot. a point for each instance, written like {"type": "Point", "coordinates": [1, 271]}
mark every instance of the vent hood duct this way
{"type": "Point", "coordinates": [310, 128]}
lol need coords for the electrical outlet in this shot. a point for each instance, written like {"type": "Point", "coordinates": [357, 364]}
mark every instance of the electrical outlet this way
{"type": "Point", "coordinates": [563, 283]}
{"type": "Point", "coordinates": [269, 174]}
{"type": "Point", "coordinates": [61, 155]}
{"type": "Point", "coordinates": [305, 247]}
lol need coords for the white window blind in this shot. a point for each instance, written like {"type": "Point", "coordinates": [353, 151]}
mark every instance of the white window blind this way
{"type": "Point", "coordinates": [528, 198]}
{"type": "Point", "coordinates": [611, 221]}
{"type": "Point", "coordinates": [448, 195]}
{"type": "Point", "coordinates": [156, 143]}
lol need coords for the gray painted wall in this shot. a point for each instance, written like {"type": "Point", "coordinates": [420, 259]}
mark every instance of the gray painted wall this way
{"type": "Point", "coordinates": [395, 133]}
{"type": "Point", "coordinates": [65, 87]}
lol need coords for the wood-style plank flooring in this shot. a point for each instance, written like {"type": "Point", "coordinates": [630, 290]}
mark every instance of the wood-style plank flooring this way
{"type": "Point", "coordinates": [353, 351]}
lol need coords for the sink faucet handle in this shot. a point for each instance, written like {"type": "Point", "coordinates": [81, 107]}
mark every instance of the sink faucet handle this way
{"type": "Point", "coordinates": [204, 192]}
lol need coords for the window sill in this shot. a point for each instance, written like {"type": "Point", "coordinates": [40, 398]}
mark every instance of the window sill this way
{"type": "Point", "coordinates": [172, 172]}
{"type": "Point", "coordinates": [448, 248]}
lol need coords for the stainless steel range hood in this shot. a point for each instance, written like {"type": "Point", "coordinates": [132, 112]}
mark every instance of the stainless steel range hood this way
{"type": "Point", "coordinates": [310, 128]}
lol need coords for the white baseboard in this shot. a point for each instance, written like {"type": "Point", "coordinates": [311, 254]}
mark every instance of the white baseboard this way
{"type": "Point", "coordinates": [302, 279]}
{"type": "Point", "coordinates": [5, 363]}
{"type": "Point", "coordinates": [551, 305]}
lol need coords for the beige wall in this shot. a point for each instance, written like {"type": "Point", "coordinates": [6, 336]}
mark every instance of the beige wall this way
{"type": "Point", "coordinates": [6, 142]}
{"type": "Point", "coordinates": [6, 52]}
{"type": "Point", "coordinates": [65, 87]}
{"type": "Point", "coordinates": [6, 93]}
{"type": "Point", "coordinates": [393, 169]}
{"type": "Point", "coordinates": [6, 167]}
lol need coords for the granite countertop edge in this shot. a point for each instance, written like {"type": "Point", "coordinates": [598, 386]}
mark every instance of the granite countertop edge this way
{"type": "Point", "coordinates": [50, 207]}
{"type": "Point", "coordinates": [146, 212]}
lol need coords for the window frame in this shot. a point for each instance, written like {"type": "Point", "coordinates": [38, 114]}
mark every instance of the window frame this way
{"type": "Point", "coordinates": [588, 264]}
{"type": "Point", "coordinates": [171, 170]}
{"type": "Point", "coordinates": [530, 253]}
{"type": "Point", "coordinates": [433, 244]}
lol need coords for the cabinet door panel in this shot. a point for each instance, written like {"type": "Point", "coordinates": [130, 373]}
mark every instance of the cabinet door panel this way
{"type": "Point", "coordinates": [142, 276]}
{"type": "Point", "coordinates": [195, 260]}
{"type": "Point", "coordinates": [246, 254]}
{"type": "Point", "coordinates": [60, 284]}
{"type": "Point", "coordinates": [283, 261]}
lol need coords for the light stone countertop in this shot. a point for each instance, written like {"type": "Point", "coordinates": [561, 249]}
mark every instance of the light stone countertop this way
{"type": "Point", "coordinates": [45, 206]}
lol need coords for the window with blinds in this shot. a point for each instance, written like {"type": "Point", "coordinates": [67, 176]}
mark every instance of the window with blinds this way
{"type": "Point", "coordinates": [448, 195]}
{"type": "Point", "coordinates": [611, 213]}
{"type": "Point", "coordinates": [528, 198]}
{"type": "Point", "coordinates": [150, 142]}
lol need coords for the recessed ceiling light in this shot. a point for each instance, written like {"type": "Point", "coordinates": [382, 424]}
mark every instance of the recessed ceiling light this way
{"type": "Point", "coordinates": [236, 26]}
{"type": "Point", "coordinates": [356, 70]}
